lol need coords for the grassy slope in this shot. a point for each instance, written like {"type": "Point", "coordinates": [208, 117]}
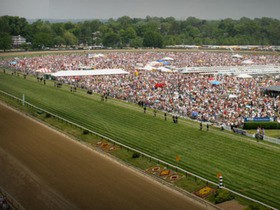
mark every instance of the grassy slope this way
{"type": "Point", "coordinates": [250, 168]}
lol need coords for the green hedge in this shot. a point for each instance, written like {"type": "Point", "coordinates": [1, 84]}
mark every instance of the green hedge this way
{"type": "Point", "coordinates": [265, 125]}
{"type": "Point", "coordinates": [222, 196]}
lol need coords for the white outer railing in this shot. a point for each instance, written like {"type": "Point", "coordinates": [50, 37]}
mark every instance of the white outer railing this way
{"type": "Point", "coordinates": [272, 140]}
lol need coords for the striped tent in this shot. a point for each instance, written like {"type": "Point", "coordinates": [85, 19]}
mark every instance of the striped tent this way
{"type": "Point", "coordinates": [43, 70]}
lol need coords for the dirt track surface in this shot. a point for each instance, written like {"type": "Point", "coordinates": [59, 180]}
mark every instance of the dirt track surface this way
{"type": "Point", "coordinates": [43, 169]}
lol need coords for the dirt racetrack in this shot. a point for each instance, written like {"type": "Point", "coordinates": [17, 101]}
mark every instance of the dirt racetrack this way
{"type": "Point", "coordinates": [43, 169]}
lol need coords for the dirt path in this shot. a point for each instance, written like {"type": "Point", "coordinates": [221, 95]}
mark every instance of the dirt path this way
{"type": "Point", "coordinates": [231, 205]}
{"type": "Point", "coordinates": [43, 169]}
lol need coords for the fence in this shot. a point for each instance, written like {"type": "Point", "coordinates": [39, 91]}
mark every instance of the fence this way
{"type": "Point", "coordinates": [272, 140]}
{"type": "Point", "coordinates": [135, 150]}
{"type": "Point", "coordinates": [242, 132]}
{"type": "Point", "coordinates": [265, 138]}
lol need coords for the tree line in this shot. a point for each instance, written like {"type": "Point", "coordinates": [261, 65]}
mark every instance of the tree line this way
{"type": "Point", "coordinates": [138, 32]}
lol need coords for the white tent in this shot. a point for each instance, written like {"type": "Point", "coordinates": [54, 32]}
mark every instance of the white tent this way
{"type": "Point", "coordinates": [139, 64]}
{"type": "Point", "coordinates": [43, 70]}
{"type": "Point", "coordinates": [154, 63]}
{"type": "Point", "coordinates": [95, 55]}
{"type": "Point", "coordinates": [237, 56]}
{"type": "Point", "coordinates": [89, 72]}
{"type": "Point", "coordinates": [147, 68]}
{"type": "Point", "coordinates": [167, 59]}
{"type": "Point", "coordinates": [86, 67]}
{"type": "Point", "coordinates": [244, 76]}
{"type": "Point", "coordinates": [163, 69]}
{"type": "Point", "coordinates": [247, 62]}
{"type": "Point", "coordinates": [232, 96]}
{"type": "Point", "coordinates": [151, 68]}
{"type": "Point", "coordinates": [67, 64]}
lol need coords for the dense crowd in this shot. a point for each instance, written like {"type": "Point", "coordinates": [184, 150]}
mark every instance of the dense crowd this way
{"type": "Point", "coordinates": [4, 205]}
{"type": "Point", "coordinates": [129, 60]}
{"type": "Point", "coordinates": [191, 95]}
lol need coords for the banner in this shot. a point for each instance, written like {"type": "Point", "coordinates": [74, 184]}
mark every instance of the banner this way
{"type": "Point", "coordinates": [259, 119]}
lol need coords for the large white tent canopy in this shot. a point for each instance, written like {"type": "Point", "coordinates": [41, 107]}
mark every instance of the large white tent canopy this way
{"type": "Point", "coordinates": [167, 59]}
{"type": "Point", "coordinates": [244, 76]}
{"type": "Point", "coordinates": [147, 68]}
{"type": "Point", "coordinates": [232, 96]}
{"type": "Point", "coordinates": [97, 72]}
{"type": "Point", "coordinates": [96, 55]}
{"type": "Point", "coordinates": [247, 62]}
{"type": "Point", "coordinates": [237, 56]}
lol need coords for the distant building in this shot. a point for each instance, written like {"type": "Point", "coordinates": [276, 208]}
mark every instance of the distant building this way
{"type": "Point", "coordinates": [18, 40]}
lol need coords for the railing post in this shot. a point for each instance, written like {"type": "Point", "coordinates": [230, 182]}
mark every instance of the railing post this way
{"type": "Point", "coordinates": [23, 99]}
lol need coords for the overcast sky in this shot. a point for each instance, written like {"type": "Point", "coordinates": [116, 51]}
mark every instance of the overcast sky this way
{"type": "Point", "coordinates": [104, 9]}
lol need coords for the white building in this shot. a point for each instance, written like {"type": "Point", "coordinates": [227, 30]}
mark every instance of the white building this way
{"type": "Point", "coordinates": [18, 40]}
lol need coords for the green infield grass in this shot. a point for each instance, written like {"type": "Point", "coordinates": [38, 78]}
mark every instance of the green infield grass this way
{"type": "Point", "coordinates": [249, 167]}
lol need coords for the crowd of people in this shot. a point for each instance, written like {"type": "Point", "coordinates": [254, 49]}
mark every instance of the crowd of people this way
{"type": "Point", "coordinates": [4, 205]}
{"type": "Point", "coordinates": [130, 60]}
{"type": "Point", "coordinates": [188, 95]}
{"type": "Point", "coordinates": [191, 95]}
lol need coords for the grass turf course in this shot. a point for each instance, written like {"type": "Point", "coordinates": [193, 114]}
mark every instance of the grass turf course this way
{"type": "Point", "coordinates": [247, 167]}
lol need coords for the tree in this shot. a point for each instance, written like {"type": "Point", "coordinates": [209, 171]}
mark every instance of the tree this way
{"type": "Point", "coordinates": [274, 34]}
{"type": "Point", "coordinates": [42, 40]}
{"type": "Point", "coordinates": [41, 26]}
{"type": "Point", "coordinates": [126, 35]}
{"type": "Point", "coordinates": [5, 41]}
{"type": "Point", "coordinates": [192, 21]}
{"type": "Point", "coordinates": [70, 39]}
{"type": "Point", "coordinates": [111, 39]}
{"type": "Point", "coordinates": [210, 30]}
{"type": "Point", "coordinates": [13, 25]}
{"type": "Point", "coordinates": [4, 24]}
{"type": "Point", "coordinates": [58, 29]}
{"type": "Point", "coordinates": [194, 32]}
{"type": "Point", "coordinates": [25, 46]}
{"type": "Point", "coordinates": [105, 29]}
{"type": "Point", "coordinates": [124, 21]}
{"type": "Point", "coordinates": [153, 39]}
{"type": "Point", "coordinates": [227, 26]}
{"type": "Point", "coordinates": [86, 35]}
{"type": "Point", "coordinates": [69, 25]}
{"type": "Point", "coordinates": [165, 28]}
{"type": "Point", "coordinates": [139, 28]}
{"type": "Point", "coordinates": [58, 41]}
{"type": "Point", "coordinates": [136, 42]}
{"type": "Point", "coordinates": [175, 28]}
{"type": "Point", "coordinates": [150, 31]}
